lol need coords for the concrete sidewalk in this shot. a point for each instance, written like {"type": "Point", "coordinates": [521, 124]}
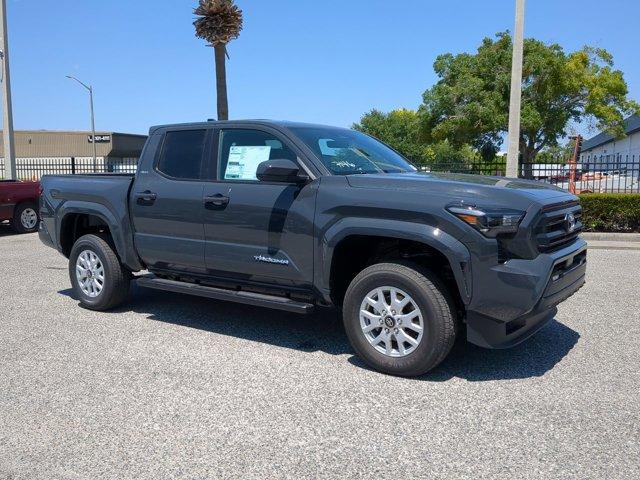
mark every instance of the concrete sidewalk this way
{"type": "Point", "coordinates": [612, 241]}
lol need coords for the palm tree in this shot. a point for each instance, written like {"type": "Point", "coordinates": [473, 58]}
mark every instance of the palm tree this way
{"type": "Point", "coordinates": [219, 22]}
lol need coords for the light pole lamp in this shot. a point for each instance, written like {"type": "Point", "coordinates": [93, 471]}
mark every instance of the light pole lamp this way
{"type": "Point", "coordinates": [93, 123]}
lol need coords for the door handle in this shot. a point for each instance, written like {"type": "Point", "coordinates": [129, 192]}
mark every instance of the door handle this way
{"type": "Point", "coordinates": [216, 201]}
{"type": "Point", "coordinates": [145, 198]}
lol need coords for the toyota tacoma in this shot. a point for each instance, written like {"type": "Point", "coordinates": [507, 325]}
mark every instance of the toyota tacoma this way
{"type": "Point", "coordinates": [296, 217]}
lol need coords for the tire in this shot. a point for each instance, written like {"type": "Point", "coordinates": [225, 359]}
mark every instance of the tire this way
{"type": "Point", "coordinates": [26, 218]}
{"type": "Point", "coordinates": [429, 305]}
{"type": "Point", "coordinates": [115, 278]}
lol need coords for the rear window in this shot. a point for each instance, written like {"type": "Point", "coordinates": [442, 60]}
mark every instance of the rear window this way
{"type": "Point", "coordinates": [181, 155]}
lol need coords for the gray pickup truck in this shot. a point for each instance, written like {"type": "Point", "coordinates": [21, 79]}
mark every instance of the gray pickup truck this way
{"type": "Point", "coordinates": [295, 217]}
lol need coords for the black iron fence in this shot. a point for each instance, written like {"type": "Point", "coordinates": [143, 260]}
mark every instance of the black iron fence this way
{"type": "Point", "coordinates": [597, 174]}
{"type": "Point", "coordinates": [34, 168]}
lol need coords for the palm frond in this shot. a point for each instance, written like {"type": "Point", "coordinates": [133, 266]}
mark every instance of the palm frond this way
{"type": "Point", "coordinates": [218, 22]}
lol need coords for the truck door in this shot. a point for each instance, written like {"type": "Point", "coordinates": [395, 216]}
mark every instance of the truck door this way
{"type": "Point", "coordinates": [166, 202]}
{"type": "Point", "coordinates": [257, 231]}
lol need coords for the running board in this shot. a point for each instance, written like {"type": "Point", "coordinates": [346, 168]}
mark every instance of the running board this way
{"type": "Point", "coordinates": [248, 298]}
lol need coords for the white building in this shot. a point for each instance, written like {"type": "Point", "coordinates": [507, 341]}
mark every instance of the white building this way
{"type": "Point", "coordinates": [606, 153]}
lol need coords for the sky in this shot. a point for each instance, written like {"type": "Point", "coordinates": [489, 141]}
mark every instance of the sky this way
{"type": "Point", "coordinates": [324, 61]}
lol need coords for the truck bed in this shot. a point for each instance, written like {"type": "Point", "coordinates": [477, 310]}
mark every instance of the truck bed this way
{"type": "Point", "coordinates": [105, 196]}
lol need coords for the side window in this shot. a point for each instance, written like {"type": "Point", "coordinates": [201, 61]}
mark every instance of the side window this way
{"type": "Point", "coordinates": [241, 151]}
{"type": "Point", "coordinates": [181, 155]}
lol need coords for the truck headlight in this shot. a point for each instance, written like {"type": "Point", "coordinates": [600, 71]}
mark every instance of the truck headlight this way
{"type": "Point", "coordinates": [489, 222]}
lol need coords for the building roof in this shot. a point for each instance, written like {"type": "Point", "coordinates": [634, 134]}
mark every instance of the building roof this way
{"type": "Point", "coordinates": [631, 124]}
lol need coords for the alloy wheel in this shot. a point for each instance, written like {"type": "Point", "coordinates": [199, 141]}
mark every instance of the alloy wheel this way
{"type": "Point", "coordinates": [391, 321]}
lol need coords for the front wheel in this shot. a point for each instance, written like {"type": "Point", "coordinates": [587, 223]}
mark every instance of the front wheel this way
{"type": "Point", "coordinates": [99, 280]}
{"type": "Point", "coordinates": [399, 318]}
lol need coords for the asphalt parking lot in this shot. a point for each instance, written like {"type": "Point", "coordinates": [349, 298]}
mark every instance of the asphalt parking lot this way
{"type": "Point", "coordinates": [175, 386]}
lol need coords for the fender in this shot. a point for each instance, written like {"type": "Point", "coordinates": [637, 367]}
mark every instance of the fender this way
{"type": "Point", "coordinates": [119, 226]}
{"type": "Point", "coordinates": [456, 252]}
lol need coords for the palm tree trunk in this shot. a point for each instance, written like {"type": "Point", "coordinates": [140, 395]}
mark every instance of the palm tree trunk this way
{"type": "Point", "coordinates": [220, 52]}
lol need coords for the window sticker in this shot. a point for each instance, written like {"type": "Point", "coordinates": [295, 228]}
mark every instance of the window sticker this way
{"type": "Point", "coordinates": [243, 162]}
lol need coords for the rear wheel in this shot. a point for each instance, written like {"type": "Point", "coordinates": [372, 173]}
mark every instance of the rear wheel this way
{"type": "Point", "coordinates": [99, 280]}
{"type": "Point", "coordinates": [399, 318]}
{"type": "Point", "coordinates": [25, 218]}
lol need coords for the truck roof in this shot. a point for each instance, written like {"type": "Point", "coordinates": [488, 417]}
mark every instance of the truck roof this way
{"type": "Point", "coordinates": [274, 123]}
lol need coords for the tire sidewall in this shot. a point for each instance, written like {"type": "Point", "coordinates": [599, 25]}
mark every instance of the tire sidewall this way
{"type": "Point", "coordinates": [17, 218]}
{"type": "Point", "coordinates": [91, 243]}
{"type": "Point", "coordinates": [425, 354]}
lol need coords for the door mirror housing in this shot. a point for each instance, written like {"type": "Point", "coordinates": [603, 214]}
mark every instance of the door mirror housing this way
{"type": "Point", "coordinates": [280, 170]}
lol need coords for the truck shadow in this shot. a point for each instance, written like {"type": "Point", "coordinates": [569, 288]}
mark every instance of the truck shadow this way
{"type": "Point", "coordinates": [6, 230]}
{"type": "Point", "coordinates": [532, 358]}
{"type": "Point", "coordinates": [323, 331]}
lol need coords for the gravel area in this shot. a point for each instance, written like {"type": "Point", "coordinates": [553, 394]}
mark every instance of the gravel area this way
{"type": "Point", "coordinates": [171, 386]}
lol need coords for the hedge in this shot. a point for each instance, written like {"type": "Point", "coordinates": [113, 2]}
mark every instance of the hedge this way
{"type": "Point", "coordinates": [610, 212]}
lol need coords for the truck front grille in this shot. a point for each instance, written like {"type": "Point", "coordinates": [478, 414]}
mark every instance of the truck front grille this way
{"type": "Point", "coordinates": [554, 229]}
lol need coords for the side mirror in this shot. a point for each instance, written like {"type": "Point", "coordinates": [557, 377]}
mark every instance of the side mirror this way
{"type": "Point", "coordinates": [280, 170]}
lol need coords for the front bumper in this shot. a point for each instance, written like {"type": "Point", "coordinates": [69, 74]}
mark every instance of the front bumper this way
{"type": "Point", "coordinates": [502, 326]}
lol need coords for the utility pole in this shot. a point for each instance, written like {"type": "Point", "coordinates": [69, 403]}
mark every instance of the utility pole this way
{"type": "Point", "coordinates": [573, 162]}
{"type": "Point", "coordinates": [93, 121]}
{"type": "Point", "coordinates": [513, 152]}
{"type": "Point", "coordinates": [9, 149]}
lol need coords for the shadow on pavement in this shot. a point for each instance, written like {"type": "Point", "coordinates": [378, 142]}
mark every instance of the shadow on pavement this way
{"type": "Point", "coordinates": [6, 230]}
{"type": "Point", "coordinates": [532, 358]}
{"type": "Point", "coordinates": [323, 331]}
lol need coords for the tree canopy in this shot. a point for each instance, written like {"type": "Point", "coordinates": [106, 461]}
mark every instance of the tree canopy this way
{"type": "Point", "coordinates": [400, 129]}
{"type": "Point", "coordinates": [470, 102]}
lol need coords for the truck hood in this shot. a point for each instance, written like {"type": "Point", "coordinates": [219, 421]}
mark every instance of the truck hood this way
{"type": "Point", "coordinates": [459, 186]}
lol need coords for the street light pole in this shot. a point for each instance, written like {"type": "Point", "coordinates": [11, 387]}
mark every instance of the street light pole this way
{"type": "Point", "coordinates": [93, 122]}
{"type": "Point", "coordinates": [513, 152]}
{"type": "Point", "coordinates": [93, 130]}
{"type": "Point", "coordinates": [9, 149]}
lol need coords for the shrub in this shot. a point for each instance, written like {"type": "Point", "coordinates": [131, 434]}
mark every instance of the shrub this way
{"type": "Point", "coordinates": [611, 212]}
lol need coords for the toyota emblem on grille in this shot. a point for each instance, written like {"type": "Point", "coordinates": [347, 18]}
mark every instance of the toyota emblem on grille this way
{"type": "Point", "coordinates": [569, 222]}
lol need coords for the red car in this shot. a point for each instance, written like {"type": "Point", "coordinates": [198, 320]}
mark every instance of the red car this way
{"type": "Point", "coordinates": [19, 204]}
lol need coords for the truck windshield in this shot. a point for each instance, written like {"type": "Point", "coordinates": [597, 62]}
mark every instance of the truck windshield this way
{"type": "Point", "coordinates": [347, 152]}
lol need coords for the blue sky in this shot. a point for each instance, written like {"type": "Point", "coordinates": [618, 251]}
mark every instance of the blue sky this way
{"type": "Point", "coordinates": [326, 62]}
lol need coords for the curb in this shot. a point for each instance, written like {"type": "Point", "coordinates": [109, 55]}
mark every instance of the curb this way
{"type": "Point", "coordinates": [600, 245]}
{"type": "Point", "coordinates": [610, 237]}
{"type": "Point", "coordinates": [611, 241]}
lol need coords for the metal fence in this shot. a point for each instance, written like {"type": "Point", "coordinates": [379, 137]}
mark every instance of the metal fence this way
{"type": "Point", "coordinates": [600, 174]}
{"type": "Point", "coordinates": [34, 168]}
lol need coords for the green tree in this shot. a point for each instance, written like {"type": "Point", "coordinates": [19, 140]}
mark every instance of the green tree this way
{"type": "Point", "coordinates": [445, 156]}
{"type": "Point", "coordinates": [400, 129]}
{"type": "Point", "coordinates": [219, 22]}
{"type": "Point", "coordinates": [560, 153]}
{"type": "Point", "coordinates": [469, 104]}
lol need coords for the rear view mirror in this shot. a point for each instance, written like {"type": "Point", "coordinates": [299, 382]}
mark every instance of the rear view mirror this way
{"type": "Point", "coordinates": [280, 170]}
